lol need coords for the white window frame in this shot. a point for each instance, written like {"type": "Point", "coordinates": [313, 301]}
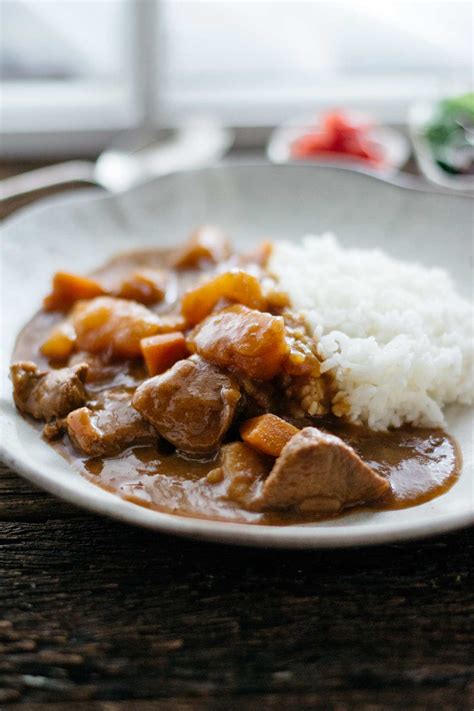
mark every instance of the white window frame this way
{"type": "Point", "coordinates": [82, 117]}
{"type": "Point", "coordinates": [50, 118]}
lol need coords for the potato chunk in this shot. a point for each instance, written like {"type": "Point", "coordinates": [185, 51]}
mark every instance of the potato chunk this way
{"type": "Point", "coordinates": [113, 326]}
{"type": "Point", "coordinates": [148, 286]}
{"type": "Point", "coordinates": [69, 288]}
{"type": "Point", "coordinates": [207, 243]}
{"type": "Point", "coordinates": [267, 433]}
{"type": "Point", "coordinates": [248, 340]}
{"type": "Point", "coordinates": [236, 285]}
{"type": "Point", "coordinates": [240, 476]}
{"type": "Point", "coordinates": [170, 322]}
{"type": "Point", "coordinates": [60, 343]}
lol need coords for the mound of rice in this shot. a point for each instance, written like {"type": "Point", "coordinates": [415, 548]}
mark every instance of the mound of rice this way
{"type": "Point", "coordinates": [396, 336]}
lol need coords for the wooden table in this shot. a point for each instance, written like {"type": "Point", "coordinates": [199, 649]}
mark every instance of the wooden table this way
{"type": "Point", "coordinates": [98, 615]}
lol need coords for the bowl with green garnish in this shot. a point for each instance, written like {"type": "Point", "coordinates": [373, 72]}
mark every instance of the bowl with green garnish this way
{"type": "Point", "coordinates": [443, 139]}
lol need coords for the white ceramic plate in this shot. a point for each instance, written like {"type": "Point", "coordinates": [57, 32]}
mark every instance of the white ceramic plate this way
{"type": "Point", "coordinates": [251, 202]}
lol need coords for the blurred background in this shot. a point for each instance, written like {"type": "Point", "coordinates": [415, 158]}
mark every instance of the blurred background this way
{"type": "Point", "coordinates": [75, 72]}
{"type": "Point", "coordinates": [362, 80]}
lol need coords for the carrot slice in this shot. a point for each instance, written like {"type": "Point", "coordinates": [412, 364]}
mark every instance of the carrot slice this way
{"type": "Point", "coordinates": [162, 351]}
{"type": "Point", "coordinates": [267, 433]}
{"type": "Point", "coordinates": [69, 288]}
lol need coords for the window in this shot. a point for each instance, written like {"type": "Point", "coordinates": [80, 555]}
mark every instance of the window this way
{"type": "Point", "coordinates": [77, 71]}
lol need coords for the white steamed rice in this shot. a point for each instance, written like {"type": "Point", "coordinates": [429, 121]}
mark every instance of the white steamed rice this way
{"type": "Point", "coordinates": [396, 336]}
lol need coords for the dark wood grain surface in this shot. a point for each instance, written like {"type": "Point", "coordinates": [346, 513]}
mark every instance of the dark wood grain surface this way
{"type": "Point", "coordinates": [98, 615]}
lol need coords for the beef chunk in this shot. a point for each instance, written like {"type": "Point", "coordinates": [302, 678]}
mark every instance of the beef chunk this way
{"type": "Point", "coordinates": [241, 474]}
{"type": "Point", "coordinates": [191, 405]}
{"type": "Point", "coordinates": [48, 394]}
{"type": "Point", "coordinates": [318, 472]}
{"type": "Point", "coordinates": [108, 431]}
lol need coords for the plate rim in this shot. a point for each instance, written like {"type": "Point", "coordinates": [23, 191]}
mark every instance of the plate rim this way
{"type": "Point", "coordinates": [315, 536]}
{"type": "Point", "coordinates": [401, 180]}
{"type": "Point", "coordinates": [251, 535]}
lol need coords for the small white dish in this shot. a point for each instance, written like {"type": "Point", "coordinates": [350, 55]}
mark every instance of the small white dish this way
{"type": "Point", "coordinates": [251, 202]}
{"type": "Point", "coordinates": [420, 115]}
{"type": "Point", "coordinates": [392, 144]}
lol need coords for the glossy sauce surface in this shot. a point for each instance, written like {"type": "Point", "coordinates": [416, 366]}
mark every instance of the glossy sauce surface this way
{"type": "Point", "coordinates": [419, 463]}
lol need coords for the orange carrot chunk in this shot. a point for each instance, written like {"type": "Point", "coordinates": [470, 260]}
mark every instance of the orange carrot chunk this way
{"type": "Point", "coordinates": [162, 351]}
{"type": "Point", "coordinates": [60, 343]}
{"type": "Point", "coordinates": [236, 286]}
{"type": "Point", "coordinates": [69, 288]}
{"type": "Point", "coordinates": [148, 286]}
{"type": "Point", "coordinates": [267, 433]}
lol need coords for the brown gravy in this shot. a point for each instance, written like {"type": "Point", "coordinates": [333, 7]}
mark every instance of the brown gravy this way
{"type": "Point", "coordinates": [420, 464]}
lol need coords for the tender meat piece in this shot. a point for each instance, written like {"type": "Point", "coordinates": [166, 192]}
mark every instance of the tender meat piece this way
{"type": "Point", "coordinates": [240, 475]}
{"type": "Point", "coordinates": [108, 431]}
{"type": "Point", "coordinates": [46, 394]}
{"type": "Point", "coordinates": [112, 326]}
{"type": "Point", "coordinates": [318, 472]}
{"type": "Point", "coordinates": [207, 244]}
{"type": "Point", "coordinates": [242, 338]}
{"type": "Point", "coordinates": [192, 404]}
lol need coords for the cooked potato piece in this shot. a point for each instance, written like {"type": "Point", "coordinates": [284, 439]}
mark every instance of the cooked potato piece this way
{"type": "Point", "coordinates": [148, 286]}
{"type": "Point", "coordinates": [237, 285]}
{"type": "Point", "coordinates": [60, 343]}
{"type": "Point", "coordinates": [207, 243]}
{"type": "Point", "coordinates": [162, 351]}
{"type": "Point", "coordinates": [168, 323]}
{"type": "Point", "coordinates": [113, 326]}
{"type": "Point", "coordinates": [248, 340]}
{"type": "Point", "coordinates": [69, 288]}
{"type": "Point", "coordinates": [241, 475]}
{"type": "Point", "coordinates": [267, 433]}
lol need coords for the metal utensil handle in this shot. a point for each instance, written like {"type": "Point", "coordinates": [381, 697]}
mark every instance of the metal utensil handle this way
{"type": "Point", "coordinates": [51, 176]}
